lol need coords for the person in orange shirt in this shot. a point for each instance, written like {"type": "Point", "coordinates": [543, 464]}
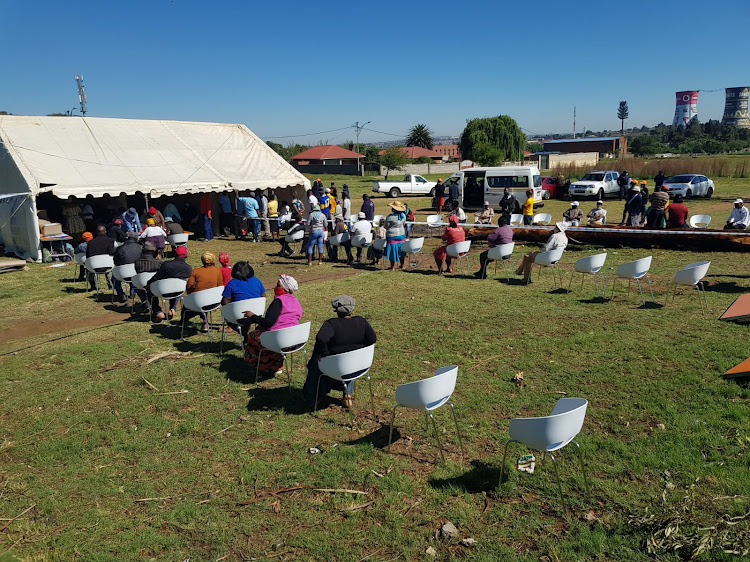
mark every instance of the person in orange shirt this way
{"type": "Point", "coordinates": [452, 235]}
{"type": "Point", "coordinates": [202, 278]}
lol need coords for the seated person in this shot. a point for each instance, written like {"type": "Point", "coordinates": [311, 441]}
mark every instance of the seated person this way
{"type": "Point", "coordinates": [453, 234]}
{"type": "Point", "coordinates": [557, 241]}
{"type": "Point", "coordinates": [226, 270]}
{"type": "Point", "coordinates": [677, 213]}
{"type": "Point", "coordinates": [295, 224]}
{"type": "Point", "coordinates": [486, 215]}
{"type": "Point", "coordinates": [339, 227]}
{"type": "Point", "coordinates": [739, 219]}
{"type": "Point", "coordinates": [283, 312]}
{"type": "Point", "coordinates": [177, 268]}
{"type": "Point", "coordinates": [574, 215]}
{"type": "Point", "coordinates": [173, 227]}
{"type": "Point", "coordinates": [360, 228]}
{"type": "Point", "coordinates": [337, 335]}
{"type": "Point", "coordinates": [503, 234]}
{"type": "Point", "coordinates": [243, 285]}
{"type": "Point", "coordinates": [147, 263]}
{"type": "Point", "coordinates": [202, 278]}
{"type": "Point", "coordinates": [154, 234]}
{"type": "Point", "coordinates": [458, 211]}
{"type": "Point", "coordinates": [81, 249]}
{"type": "Point", "coordinates": [373, 254]}
{"type": "Point", "coordinates": [598, 215]}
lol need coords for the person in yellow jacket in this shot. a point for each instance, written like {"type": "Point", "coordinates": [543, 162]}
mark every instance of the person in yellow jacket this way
{"type": "Point", "coordinates": [528, 208]}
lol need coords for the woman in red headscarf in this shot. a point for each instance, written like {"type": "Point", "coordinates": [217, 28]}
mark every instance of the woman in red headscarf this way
{"type": "Point", "coordinates": [453, 234]}
{"type": "Point", "coordinates": [153, 213]}
{"type": "Point", "coordinates": [226, 269]}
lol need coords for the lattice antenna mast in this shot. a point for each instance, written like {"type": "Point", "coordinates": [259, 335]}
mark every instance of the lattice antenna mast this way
{"type": "Point", "coordinates": [81, 94]}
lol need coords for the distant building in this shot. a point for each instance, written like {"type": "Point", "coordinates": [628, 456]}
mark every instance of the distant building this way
{"type": "Point", "coordinates": [326, 155]}
{"type": "Point", "coordinates": [552, 160]}
{"type": "Point", "coordinates": [603, 145]}
{"type": "Point", "coordinates": [414, 152]}
{"type": "Point", "coordinates": [450, 150]}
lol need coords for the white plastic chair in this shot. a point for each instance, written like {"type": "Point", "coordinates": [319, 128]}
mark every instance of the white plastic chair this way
{"type": "Point", "coordinates": [123, 273]}
{"type": "Point", "coordinates": [377, 220]}
{"type": "Point", "coordinates": [699, 221]}
{"type": "Point", "coordinates": [379, 245]}
{"type": "Point", "coordinates": [635, 270]}
{"type": "Point", "coordinates": [550, 259]}
{"type": "Point", "coordinates": [503, 253]}
{"type": "Point", "coordinates": [233, 311]}
{"type": "Point", "coordinates": [551, 433]}
{"type": "Point", "coordinates": [362, 240]}
{"type": "Point", "coordinates": [347, 367]}
{"type": "Point", "coordinates": [591, 265]}
{"type": "Point", "coordinates": [692, 275]}
{"type": "Point", "coordinates": [294, 237]}
{"type": "Point", "coordinates": [428, 395]}
{"type": "Point", "coordinates": [542, 218]}
{"type": "Point", "coordinates": [339, 239]}
{"type": "Point", "coordinates": [100, 265]}
{"type": "Point", "coordinates": [166, 289]}
{"type": "Point", "coordinates": [414, 246]}
{"type": "Point", "coordinates": [203, 302]}
{"type": "Point", "coordinates": [434, 221]}
{"type": "Point", "coordinates": [139, 281]}
{"type": "Point", "coordinates": [460, 251]}
{"type": "Point", "coordinates": [285, 341]}
{"type": "Point", "coordinates": [80, 264]}
{"type": "Point", "coordinates": [516, 219]}
{"type": "Point", "coordinates": [181, 239]}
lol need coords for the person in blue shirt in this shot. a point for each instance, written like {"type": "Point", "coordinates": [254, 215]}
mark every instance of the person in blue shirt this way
{"type": "Point", "coordinates": [131, 220]}
{"type": "Point", "coordinates": [225, 218]}
{"type": "Point", "coordinates": [252, 209]}
{"type": "Point", "coordinates": [325, 207]}
{"type": "Point", "coordinates": [368, 208]}
{"type": "Point", "coordinates": [243, 285]}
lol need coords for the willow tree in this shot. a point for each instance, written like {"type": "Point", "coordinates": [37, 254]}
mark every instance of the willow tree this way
{"type": "Point", "coordinates": [490, 140]}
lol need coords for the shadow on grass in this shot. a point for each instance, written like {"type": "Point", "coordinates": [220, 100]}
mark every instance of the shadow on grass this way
{"type": "Point", "coordinates": [651, 305]}
{"type": "Point", "coordinates": [595, 300]}
{"type": "Point", "coordinates": [278, 398]}
{"type": "Point", "coordinates": [482, 477]}
{"type": "Point", "coordinates": [378, 438]}
{"type": "Point", "coordinates": [725, 287]}
{"type": "Point", "coordinates": [236, 369]}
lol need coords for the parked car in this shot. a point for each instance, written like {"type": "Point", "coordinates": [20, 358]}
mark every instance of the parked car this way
{"type": "Point", "coordinates": [413, 184]}
{"type": "Point", "coordinates": [597, 184]}
{"type": "Point", "coordinates": [689, 185]}
{"type": "Point", "coordinates": [549, 187]}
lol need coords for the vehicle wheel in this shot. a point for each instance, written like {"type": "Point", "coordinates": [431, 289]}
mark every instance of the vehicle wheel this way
{"type": "Point", "coordinates": [709, 193]}
{"type": "Point", "coordinates": [394, 192]}
{"type": "Point", "coordinates": [688, 193]}
{"type": "Point", "coordinates": [545, 194]}
{"type": "Point", "coordinates": [432, 192]}
{"type": "Point", "coordinates": [601, 194]}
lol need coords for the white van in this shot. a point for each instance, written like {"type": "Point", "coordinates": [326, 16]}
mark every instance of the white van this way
{"type": "Point", "coordinates": [477, 185]}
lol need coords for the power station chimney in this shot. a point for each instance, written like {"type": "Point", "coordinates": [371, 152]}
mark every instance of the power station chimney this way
{"type": "Point", "coordinates": [686, 108]}
{"type": "Point", "coordinates": [735, 108]}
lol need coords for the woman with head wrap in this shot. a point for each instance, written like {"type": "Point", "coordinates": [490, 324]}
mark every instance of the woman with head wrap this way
{"type": "Point", "coordinates": [395, 234]}
{"type": "Point", "coordinates": [283, 312]}
{"type": "Point", "coordinates": [453, 234]}
{"type": "Point", "coordinates": [153, 213]}
{"type": "Point", "coordinates": [337, 335]}
{"type": "Point", "coordinates": [154, 234]}
{"type": "Point", "coordinates": [201, 278]}
{"type": "Point", "coordinates": [226, 270]}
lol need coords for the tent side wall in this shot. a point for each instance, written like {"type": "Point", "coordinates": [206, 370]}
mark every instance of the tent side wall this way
{"type": "Point", "coordinates": [19, 227]}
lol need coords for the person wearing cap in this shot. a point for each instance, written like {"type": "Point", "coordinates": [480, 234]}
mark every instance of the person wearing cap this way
{"type": "Point", "coordinates": [677, 213]}
{"type": "Point", "coordinates": [202, 278]}
{"type": "Point", "coordinates": [439, 195]}
{"type": "Point", "coordinates": [81, 249]}
{"type": "Point", "coordinates": [598, 215]}
{"type": "Point", "coordinates": [284, 311]}
{"type": "Point", "coordinates": [153, 213]}
{"type": "Point", "coordinates": [359, 228]}
{"type": "Point", "coordinates": [316, 224]}
{"type": "Point", "coordinates": [251, 207]}
{"type": "Point", "coordinates": [345, 190]}
{"type": "Point", "coordinates": [486, 215]}
{"type": "Point", "coordinates": [154, 234]}
{"type": "Point", "coordinates": [176, 268]}
{"type": "Point", "coordinates": [368, 207]}
{"type": "Point", "coordinates": [116, 231]}
{"type": "Point", "coordinates": [528, 208]}
{"type": "Point", "coordinates": [336, 335]}
{"type": "Point", "coordinates": [131, 220]}
{"type": "Point", "coordinates": [172, 226]}
{"type": "Point", "coordinates": [101, 244]}
{"type": "Point", "coordinates": [126, 253]}
{"type": "Point", "coordinates": [655, 217]}
{"type": "Point", "coordinates": [325, 207]}
{"type": "Point", "coordinates": [739, 219]}
{"type": "Point", "coordinates": [557, 241]}
{"type": "Point", "coordinates": [634, 208]}
{"type": "Point", "coordinates": [146, 263]}
{"type": "Point", "coordinates": [509, 205]}
{"type": "Point", "coordinates": [503, 234]}
{"type": "Point", "coordinates": [623, 180]}
{"type": "Point", "coordinates": [171, 210]}
{"type": "Point", "coordinates": [205, 207]}
{"type": "Point", "coordinates": [452, 235]}
{"type": "Point", "coordinates": [225, 268]}
{"type": "Point", "coordinates": [395, 234]}
{"type": "Point", "coordinates": [574, 215]}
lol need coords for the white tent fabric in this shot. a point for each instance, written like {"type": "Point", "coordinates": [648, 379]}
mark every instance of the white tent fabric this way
{"type": "Point", "coordinates": [98, 156]}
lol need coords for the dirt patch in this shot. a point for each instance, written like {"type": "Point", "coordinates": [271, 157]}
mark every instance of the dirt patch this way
{"type": "Point", "coordinates": [24, 329]}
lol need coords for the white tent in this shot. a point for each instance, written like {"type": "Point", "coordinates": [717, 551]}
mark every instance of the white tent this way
{"type": "Point", "coordinates": [81, 156]}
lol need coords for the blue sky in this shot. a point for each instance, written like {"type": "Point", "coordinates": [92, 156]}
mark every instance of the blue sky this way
{"type": "Point", "coordinates": [291, 68]}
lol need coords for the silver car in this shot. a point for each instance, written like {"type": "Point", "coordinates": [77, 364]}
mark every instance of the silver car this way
{"type": "Point", "coordinates": [689, 185]}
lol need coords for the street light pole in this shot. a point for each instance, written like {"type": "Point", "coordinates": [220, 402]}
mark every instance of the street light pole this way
{"type": "Point", "coordinates": [359, 128]}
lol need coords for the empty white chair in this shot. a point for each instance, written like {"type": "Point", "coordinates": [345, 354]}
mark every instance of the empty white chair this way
{"type": "Point", "coordinates": [203, 302]}
{"type": "Point", "coordinates": [233, 311]}
{"type": "Point", "coordinates": [100, 265]}
{"type": "Point", "coordinates": [550, 259]}
{"type": "Point", "coordinates": [503, 253]}
{"type": "Point", "coordinates": [414, 247]}
{"type": "Point", "coordinates": [428, 395]}
{"type": "Point", "coordinates": [347, 367]}
{"type": "Point", "coordinates": [635, 270]}
{"type": "Point", "coordinates": [542, 218]}
{"type": "Point", "coordinates": [80, 263]}
{"type": "Point", "coordinates": [362, 240]}
{"type": "Point", "coordinates": [166, 289]}
{"type": "Point", "coordinates": [285, 341]}
{"type": "Point", "coordinates": [516, 219]}
{"type": "Point", "coordinates": [139, 281]}
{"type": "Point", "coordinates": [178, 240]}
{"type": "Point", "coordinates": [460, 251]}
{"type": "Point", "coordinates": [123, 273]}
{"type": "Point", "coordinates": [434, 221]}
{"type": "Point", "coordinates": [699, 221]}
{"type": "Point", "coordinates": [692, 275]}
{"type": "Point", "coordinates": [551, 433]}
{"type": "Point", "coordinates": [591, 265]}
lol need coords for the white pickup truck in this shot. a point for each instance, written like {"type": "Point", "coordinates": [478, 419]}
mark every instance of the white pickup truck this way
{"type": "Point", "coordinates": [412, 185]}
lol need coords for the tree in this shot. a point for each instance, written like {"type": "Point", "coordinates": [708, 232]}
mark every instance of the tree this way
{"type": "Point", "coordinates": [420, 135]}
{"type": "Point", "coordinates": [393, 159]}
{"type": "Point", "coordinates": [486, 154]}
{"type": "Point", "coordinates": [622, 114]}
{"type": "Point", "coordinates": [646, 145]}
{"type": "Point", "coordinates": [501, 132]}
{"type": "Point", "coordinates": [372, 154]}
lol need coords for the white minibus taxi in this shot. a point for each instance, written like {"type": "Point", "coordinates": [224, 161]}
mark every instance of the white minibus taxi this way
{"type": "Point", "coordinates": [477, 185]}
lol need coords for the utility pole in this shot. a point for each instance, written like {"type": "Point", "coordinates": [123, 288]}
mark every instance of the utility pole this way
{"type": "Point", "coordinates": [81, 94]}
{"type": "Point", "coordinates": [574, 121]}
{"type": "Point", "coordinates": [359, 127]}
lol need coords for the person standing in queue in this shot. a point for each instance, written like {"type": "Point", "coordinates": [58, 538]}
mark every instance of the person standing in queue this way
{"type": "Point", "coordinates": [439, 195]}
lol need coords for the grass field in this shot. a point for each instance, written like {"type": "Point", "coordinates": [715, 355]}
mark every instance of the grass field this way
{"type": "Point", "coordinates": [105, 456]}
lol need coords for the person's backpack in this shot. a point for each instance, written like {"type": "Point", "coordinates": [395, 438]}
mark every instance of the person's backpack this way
{"type": "Point", "coordinates": [410, 216]}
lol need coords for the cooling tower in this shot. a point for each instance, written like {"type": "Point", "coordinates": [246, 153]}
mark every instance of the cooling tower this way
{"type": "Point", "coordinates": [735, 108]}
{"type": "Point", "coordinates": [686, 109]}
